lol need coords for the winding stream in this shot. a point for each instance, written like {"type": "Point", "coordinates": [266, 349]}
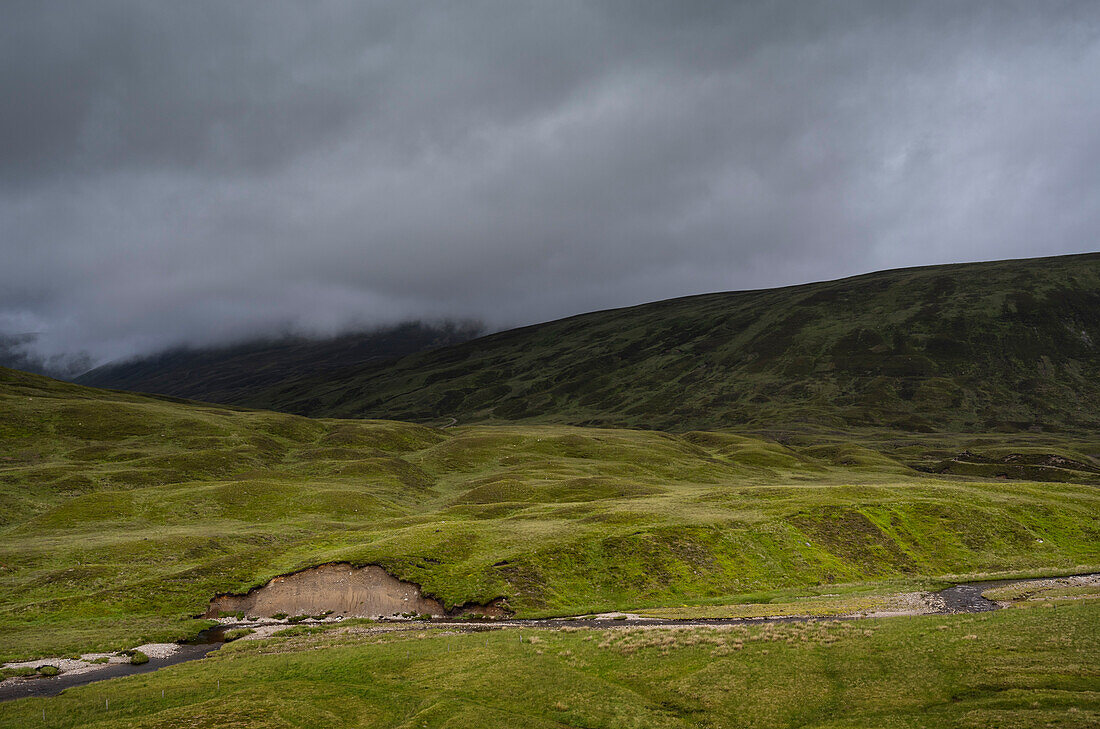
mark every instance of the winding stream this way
{"type": "Point", "coordinates": [961, 598]}
{"type": "Point", "coordinates": [18, 688]}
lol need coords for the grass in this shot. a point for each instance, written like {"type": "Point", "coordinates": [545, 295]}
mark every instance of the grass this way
{"type": "Point", "coordinates": [124, 515]}
{"type": "Point", "coordinates": [236, 634]}
{"type": "Point", "coordinates": [1023, 667]}
{"type": "Point", "coordinates": [21, 671]}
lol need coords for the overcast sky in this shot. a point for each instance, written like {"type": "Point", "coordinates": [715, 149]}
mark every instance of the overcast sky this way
{"type": "Point", "coordinates": [204, 171]}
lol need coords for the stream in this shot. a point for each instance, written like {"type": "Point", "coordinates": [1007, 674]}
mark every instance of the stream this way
{"type": "Point", "coordinates": [18, 688]}
{"type": "Point", "coordinates": [961, 598]}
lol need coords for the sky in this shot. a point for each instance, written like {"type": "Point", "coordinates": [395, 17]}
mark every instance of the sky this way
{"type": "Point", "coordinates": [205, 172]}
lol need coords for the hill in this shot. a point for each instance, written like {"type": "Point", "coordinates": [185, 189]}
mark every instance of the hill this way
{"type": "Point", "coordinates": [1002, 346]}
{"type": "Point", "coordinates": [121, 515]}
{"type": "Point", "coordinates": [232, 373]}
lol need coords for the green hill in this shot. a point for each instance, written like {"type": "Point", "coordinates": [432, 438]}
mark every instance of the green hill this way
{"type": "Point", "coordinates": [122, 515]}
{"type": "Point", "coordinates": [233, 373]}
{"type": "Point", "coordinates": [1002, 346]}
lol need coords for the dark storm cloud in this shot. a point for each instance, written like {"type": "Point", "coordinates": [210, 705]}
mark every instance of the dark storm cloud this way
{"type": "Point", "coordinates": [198, 172]}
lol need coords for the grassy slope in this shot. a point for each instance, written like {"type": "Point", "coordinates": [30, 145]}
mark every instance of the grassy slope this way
{"type": "Point", "coordinates": [1012, 669]}
{"type": "Point", "coordinates": [974, 347]}
{"type": "Point", "coordinates": [228, 374]}
{"type": "Point", "coordinates": [123, 515]}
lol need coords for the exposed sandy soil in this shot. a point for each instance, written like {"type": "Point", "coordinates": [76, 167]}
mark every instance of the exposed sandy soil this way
{"type": "Point", "coordinates": [341, 589]}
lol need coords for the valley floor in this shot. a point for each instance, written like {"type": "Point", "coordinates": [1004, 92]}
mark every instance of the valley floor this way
{"type": "Point", "coordinates": [1036, 665]}
{"type": "Point", "coordinates": [122, 517]}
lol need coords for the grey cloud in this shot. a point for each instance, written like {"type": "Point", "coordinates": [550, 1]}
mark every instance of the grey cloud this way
{"type": "Point", "coordinates": [199, 172]}
{"type": "Point", "coordinates": [16, 352]}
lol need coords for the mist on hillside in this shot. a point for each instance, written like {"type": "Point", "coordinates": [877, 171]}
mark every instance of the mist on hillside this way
{"type": "Point", "coordinates": [197, 174]}
{"type": "Point", "coordinates": [17, 352]}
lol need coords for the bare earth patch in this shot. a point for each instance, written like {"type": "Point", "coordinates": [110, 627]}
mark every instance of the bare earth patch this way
{"type": "Point", "coordinates": [343, 590]}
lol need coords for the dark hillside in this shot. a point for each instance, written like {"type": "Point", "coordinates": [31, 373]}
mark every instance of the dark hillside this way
{"type": "Point", "coordinates": [1008, 345]}
{"type": "Point", "coordinates": [232, 374]}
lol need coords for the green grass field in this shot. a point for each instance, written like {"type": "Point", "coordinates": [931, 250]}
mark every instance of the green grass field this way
{"type": "Point", "coordinates": [123, 515]}
{"type": "Point", "coordinates": [1022, 667]}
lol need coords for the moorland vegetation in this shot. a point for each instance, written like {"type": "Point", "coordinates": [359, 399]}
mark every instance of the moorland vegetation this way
{"type": "Point", "coordinates": [123, 515]}
{"type": "Point", "coordinates": [758, 453]}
